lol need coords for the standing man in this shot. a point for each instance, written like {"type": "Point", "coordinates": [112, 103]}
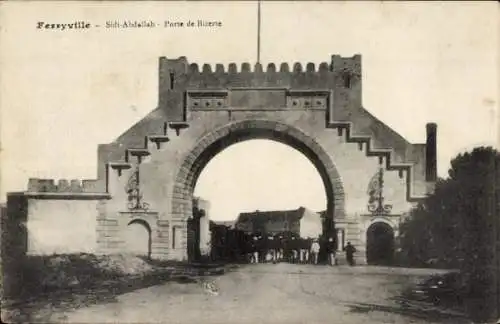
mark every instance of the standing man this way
{"type": "Point", "coordinates": [255, 249]}
{"type": "Point", "coordinates": [259, 248]}
{"type": "Point", "coordinates": [262, 248]}
{"type": "Point", "coordinates": [315, 250]}
{"type": "Point", "coordinates": [331, 248]}
{"type": "Point", "coordinates": [271, 248]}
{"type": "Point", "coordinates": [287, 251]}
{"type": "Point", "coordinates": [303, 247]}
{"type": "Point", "coordinates": [307, 244]}
{"type": "Point", "coordinates": [295, 249]}
{"type": "Point", "coordinates": [307, 250]}
{"type": "Point", "coordinates": [279, 247]}
{"type": "Point", "coordinates": [349, 252]}
{"type": "Point", "coordinates": [282, 248]}
{"type": "Point", "coordinates": [248, 247]}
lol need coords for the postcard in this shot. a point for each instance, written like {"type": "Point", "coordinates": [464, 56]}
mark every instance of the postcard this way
{"type": "Point", "coordinates": [249, 162]}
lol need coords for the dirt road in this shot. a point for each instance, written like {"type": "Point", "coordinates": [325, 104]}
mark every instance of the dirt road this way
{"type": "Point", "coordinates": [270, 293]}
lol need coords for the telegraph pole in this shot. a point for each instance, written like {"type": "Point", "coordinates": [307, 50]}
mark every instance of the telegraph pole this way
{"type": "Point", "coordinates": [258, 31]}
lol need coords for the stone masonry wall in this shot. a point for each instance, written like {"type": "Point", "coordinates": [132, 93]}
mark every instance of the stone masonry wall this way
{"type": "Point", "coordinates": [161, 168]}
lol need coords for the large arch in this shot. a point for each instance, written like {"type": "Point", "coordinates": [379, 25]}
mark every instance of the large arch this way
{"type": "Point", "coordinates": [219, 139]}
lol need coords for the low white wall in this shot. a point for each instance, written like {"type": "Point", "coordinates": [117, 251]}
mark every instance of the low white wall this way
{"type": "Point", "coordinates": [61, 226]}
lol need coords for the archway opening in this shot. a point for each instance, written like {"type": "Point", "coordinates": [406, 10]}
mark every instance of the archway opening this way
{"type": "Point", "coordinates": [220, 139]}
{"type": "Point", "coordinates": [138, 238]}
{"type": "Point", "coordinates": [262, 188]}
{"type": "Point", "coordinates": [259, 175]}
{"type": "Point", "coordinates": [380, 244]}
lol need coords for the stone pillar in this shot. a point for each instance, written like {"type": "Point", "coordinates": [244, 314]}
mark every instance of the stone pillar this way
{"type": "Point", "coordinates": [340, 239]}
{"type": "Point", "coordinates": [160, 240]}
{"type": "Point", "coordinates": [178, 240]}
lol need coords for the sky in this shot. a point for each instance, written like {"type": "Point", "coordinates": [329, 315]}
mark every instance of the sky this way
{"type": "Point", "coordinates": [64, 92]}
{"type": "Point", "coordinates": [269, 182]}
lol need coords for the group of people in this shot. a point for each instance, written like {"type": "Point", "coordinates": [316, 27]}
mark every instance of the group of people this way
{"type": "Point", "coordinates": [275, 249]}
{"type": "Point", "coordinates": [233, 245]}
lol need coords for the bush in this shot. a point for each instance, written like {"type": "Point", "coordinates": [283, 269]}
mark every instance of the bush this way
{"type": "Point", "coordinates": [43, 274]}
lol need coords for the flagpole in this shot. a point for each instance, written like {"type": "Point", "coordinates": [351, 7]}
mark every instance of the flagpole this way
{"type": "Point", "coordinates": [258, 31]}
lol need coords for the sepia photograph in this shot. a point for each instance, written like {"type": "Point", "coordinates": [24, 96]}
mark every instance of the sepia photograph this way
{"type": "Point", "coordinates": [250, 162]}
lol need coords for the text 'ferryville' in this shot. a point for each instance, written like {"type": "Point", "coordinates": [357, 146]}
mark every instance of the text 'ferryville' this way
{"type": "Point", "coordinates": [63, 26]}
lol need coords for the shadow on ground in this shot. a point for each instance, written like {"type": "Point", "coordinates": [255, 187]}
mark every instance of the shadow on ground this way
{"type": "Point", "coordinates": [405, 305]}
{"type": "Point", "coordinates": [40, 308]}
{"type": "Point", "coordinates": [430, 314]}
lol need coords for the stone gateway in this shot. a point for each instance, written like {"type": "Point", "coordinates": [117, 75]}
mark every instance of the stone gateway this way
{"type": "Point", "coordinates": [371, 175]}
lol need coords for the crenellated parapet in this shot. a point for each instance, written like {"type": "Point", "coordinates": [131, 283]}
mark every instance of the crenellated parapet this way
{"type": "Point", "coordinates": [179, 73]}
{"type": "Point", "coordinates": [181, 85]}
{"type": "Point", "coordinates": [36, 185]}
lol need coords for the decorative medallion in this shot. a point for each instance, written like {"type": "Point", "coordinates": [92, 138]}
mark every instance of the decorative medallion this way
{"type": "Point", "coordinates": [376, 203]}
{"type": "Point", "coordinates": [135, 202]}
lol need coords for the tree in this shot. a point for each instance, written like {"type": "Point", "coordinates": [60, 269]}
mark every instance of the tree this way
{"type": "Point", "coordinates": [431, 235]}
{"type": "Point", "coordinates": [457, 227]}
{"type": "Point", "coordinates": [476, 179]}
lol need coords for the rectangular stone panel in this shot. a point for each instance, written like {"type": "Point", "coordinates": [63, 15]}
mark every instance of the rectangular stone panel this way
{"type": "Point", "coordinates": [138, 214]}
{"type": "Point", "coordinates": [308, 99]}
{"type": "Point", "coordinates": [257, 99]}
{"type": "Point", "coordinates": [160, 246]}
{"type": "Point", "coordinates": [107, 222]}
{"type": "Point", "coordinates": [162, 240]}
{"type": "Point", "coordinates": [163, 223]}
{"type": "Point", "coordinates": [202, 100]}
